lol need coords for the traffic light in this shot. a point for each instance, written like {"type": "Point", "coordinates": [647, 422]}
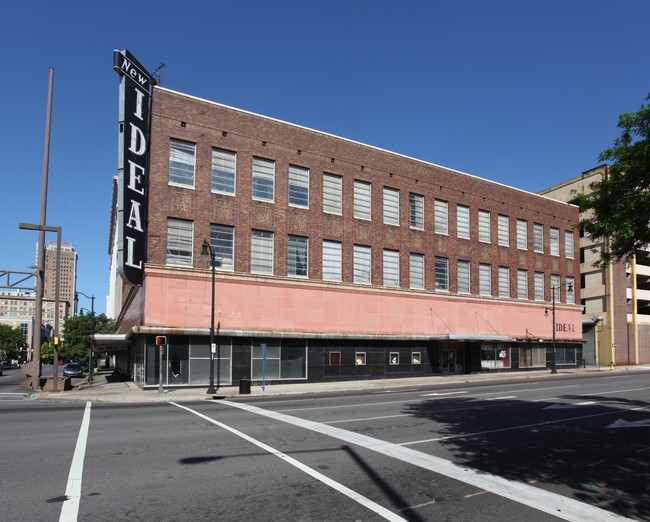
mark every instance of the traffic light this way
{"type": "Point", "coordinates": [160, 340]}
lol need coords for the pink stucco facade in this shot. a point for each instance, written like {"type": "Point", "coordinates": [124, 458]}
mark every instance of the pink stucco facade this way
{"type": "Point", "coordinates": [177, 300]}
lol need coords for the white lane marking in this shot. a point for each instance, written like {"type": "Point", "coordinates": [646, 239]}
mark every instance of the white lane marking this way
{"type": "Point", "coordinates": [366, 502]}
{"type": "Point", "coordinates": [70, 508]}
{"type": "Point", "coordinates": [14, 393]}
{"type": "Point", "coordinates": [544, 501]}
{"type": "Point", "coordinates": [487, 399]}
{"type": "Point", "coordinates": [440, 394]}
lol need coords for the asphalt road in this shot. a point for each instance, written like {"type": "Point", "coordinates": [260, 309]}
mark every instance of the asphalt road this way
{"type": "Point", "coordinates": [576, 448]}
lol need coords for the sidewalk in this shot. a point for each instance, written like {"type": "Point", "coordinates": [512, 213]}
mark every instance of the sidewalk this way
{"type": "Point", "coordinates": [105, 389]}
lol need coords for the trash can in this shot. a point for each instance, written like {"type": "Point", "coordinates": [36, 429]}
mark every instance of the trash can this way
{"type": "Point", "coordinates": [244, 387]}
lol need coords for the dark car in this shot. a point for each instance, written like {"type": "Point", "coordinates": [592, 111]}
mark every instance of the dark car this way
{"type": "Point", "coordinates": [72, 370]}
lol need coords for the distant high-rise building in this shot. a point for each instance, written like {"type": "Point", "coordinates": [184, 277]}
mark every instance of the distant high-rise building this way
{"type": "Point", "coordinates": [67, 285]}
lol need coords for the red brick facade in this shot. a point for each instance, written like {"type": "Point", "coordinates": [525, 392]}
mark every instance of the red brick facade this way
{"type": "Point", "coordinates": [210, 125]}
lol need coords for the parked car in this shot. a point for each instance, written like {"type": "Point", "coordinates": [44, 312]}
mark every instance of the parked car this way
{"type": "Point", "coordinates": [6, 365]}
{"type": "Point", "coordinates": [72, 370]}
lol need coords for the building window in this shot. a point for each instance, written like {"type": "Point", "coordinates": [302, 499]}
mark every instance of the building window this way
{"type": "Point", "coordinates": [297, 256]}
{"type": "Point", "coordinates": [484, 226]}
{"type": "Point", "coordinates": [462, 221]}
{"type": "Point", "coordinates": [361, 264]}
{"type": "Point", "coordinates": [568, 244]}
{"type": "Point", "coordinates": [416, 271]}
{"type": "Point", "coordinates": [522, 284]}
{"type": "Point", "coordinates": [539, 286]}
{"type": "Point", "coordinates": [180, 236]}
{"type": "Point", "coordinates": [570, 290]}
{"type": "Point", "coordinates": [416, 358]}
{"type": "Point", "coordinates": [360, 358]}
{"type": "Point", "coordinates": [285, 360]}
{"type": "Point", "coordinates": [222, 241]}
{"type": "Point", "coordinates": [484, 279]}
{"type": "Point", "coordinates": [331, 260]}
{"type": "Point", "coordinates": [224, 164]}
{"type": "Point", "coordinates": [532, 357]}
{"type": "Point", "coordinates": [335, 358]}
{"type": "Point", "coordinates": [332, 193]}
{"type": "Point", "coordinates": [393, 358]}
{"type": "Point", "coordinates": [554, 236]}
{"type": "Point", "coordinates": [565, 355]}
{"type": "Point", "coordinates": [261, 252]}
{"type": "Point", "coordinates": [504, 281]}
{"type": "Point", "coordinates": [495, 356]}
{"type": "Point", "coordinates": [298, 186]}
{"type": "Point", "coordinates": [362, 198]}
{"type": "Point", "coordinates": [442, 274]}
{"type": "Point", "coordinates": [391, 267]}
{"type": "Point", "coordinates": [441, 217]}
{"type": "Point", "coordinates": [503, 226]}
{"type": "Point", "coordinates": [391, 206]}
{"type": "Point", "coordinates": [181, 162]}
{"type": "Point", "coordinates": [522, 234]}
{"type": "Point", "coordinates": [463, 277]}
{"type": "Point", "coordinates": [263, 179]}
{"type": "Point", "coordinates": [538, 237]}
{"type": "Point", "coordinates": [555, 286]}
{"type": "Point", "coordinates": [416, 207]}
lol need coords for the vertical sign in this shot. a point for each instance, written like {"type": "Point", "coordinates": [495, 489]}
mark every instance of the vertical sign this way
{"type": "Point", "coordinates": [133, 165]}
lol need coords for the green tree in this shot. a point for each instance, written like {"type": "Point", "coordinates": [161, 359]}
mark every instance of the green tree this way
{"type": "Point", "coordinates": [76, 334]}
{"type": "Point", "coordinates": [11, 341]}
{"type": "Point", "coordinates": [618, 208]}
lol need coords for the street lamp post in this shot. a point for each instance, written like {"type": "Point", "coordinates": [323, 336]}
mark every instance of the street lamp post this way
{"type": "Point", "coordinates": [553, 289]}
{"type": "Point", "coordinates": [206, 250]}
{"type": "Point", "coordinates": [92, 329]}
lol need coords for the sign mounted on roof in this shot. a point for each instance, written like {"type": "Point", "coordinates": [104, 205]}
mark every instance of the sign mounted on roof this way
{"type": "Point", "coordinates": [133, 165]}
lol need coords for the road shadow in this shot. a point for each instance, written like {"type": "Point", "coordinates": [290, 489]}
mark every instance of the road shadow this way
{"type": "Point", "coordinates": [566, 448]}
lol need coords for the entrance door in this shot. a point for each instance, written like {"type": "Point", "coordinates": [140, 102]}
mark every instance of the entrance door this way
{"type": "Point", "coordinates": [451, 361]}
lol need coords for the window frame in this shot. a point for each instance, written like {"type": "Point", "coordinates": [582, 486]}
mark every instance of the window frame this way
{"type": "Point", "coordinates": [463, 275]}
{"type": "Point", "coordinates": [416, 211]}
{"type": "Point", "coordinates": [362, 264]}
{"type": "Point", "coordinates": [261, 240]}
{"type": "Point", "coordinates": [504, 281]}
{"type": "Point", "coordinates": [220, 246]}
{"type": "Point", "coordinates": [503, 230]}
{"type": "Point", "coordinates": [297, 241]}
{"type": "Point", "coordinates": [462, 218]}
{"type": "Point", "coordinates": [179, 242]}
{"type": "Point", "coordinates": [259, 165]}
{"type": "Point", "coordinates": [391, 206]}
{"type": "Point", "coordinates": [172, 151]}
{"type": "Point", "coordinates": [522, 234]}
{"type": "Point", "coordinates": [362, 200]}
{"type": "Point", "coordinates": [441, 216]}
{"type": "Point", "coordinates": [485, 279]}
{"type": "Point", "coordinates": [538, 238]}
{"type": "Point", "coordinates": [332, 194]}
{"type": "Point", "coordinates": [522, 283]}
{"type": "Point", "coordinates": [569, 244]}
{"type": "Point", "coordinates": [332, 250]}
{"type": "Point", "coordinates": [391, 268]}
{"type": "Point", "coordinates": [441, 272]}
{"type": "Point", "coordinates": [298, 181]}
{"type": "Point", "coordinates": [218, 174]}
{"type": "Point", "coordinates": [484, 229]}
{"type": "Point", "coordinates": [417, 270]}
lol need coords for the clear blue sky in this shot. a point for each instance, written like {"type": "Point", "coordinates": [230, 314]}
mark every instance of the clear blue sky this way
{"type": "Point", "coordinates": [525, 93]}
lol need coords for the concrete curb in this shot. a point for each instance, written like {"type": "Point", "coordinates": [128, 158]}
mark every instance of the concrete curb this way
{"type": "Point", "coordinates": [101, 390]}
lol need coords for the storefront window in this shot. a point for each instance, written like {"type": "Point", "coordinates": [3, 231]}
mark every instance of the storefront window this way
{"type": "Point", "coordinates": [360, 358]}
{"type": "Point", "coordinates": [532, 357]}
{"type": "Point", "coordinates": [415, 358]}
{"type": "Point", "coordinates": [495, 356]}
{"type": "Point", "coordinates": [393, 358]}
{"type": "Point", "coordinates": [565, 355]}
{"type": "Point", "coordinates": [275, 361]}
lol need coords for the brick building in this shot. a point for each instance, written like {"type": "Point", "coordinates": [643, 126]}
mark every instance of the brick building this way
{"type": "Point", "coordinates": [335, 260]}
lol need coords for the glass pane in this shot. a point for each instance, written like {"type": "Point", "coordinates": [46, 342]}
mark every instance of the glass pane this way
{"type": "Point", "coordinates": [294, 362]}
